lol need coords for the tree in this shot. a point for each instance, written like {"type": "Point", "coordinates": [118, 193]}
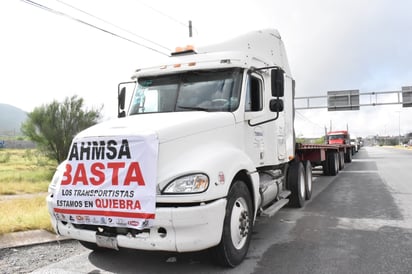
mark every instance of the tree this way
{"type": "Point", "coordinates": [53, 126]}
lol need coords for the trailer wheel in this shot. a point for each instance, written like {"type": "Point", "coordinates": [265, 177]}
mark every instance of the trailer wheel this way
{"type": "Point", "coordinates": [341, 160]}
{"type": "Point", "coordinates": [237, 227]}
{"type": "Point", "coordinates": [308, 180]}
{"type": "Point", "coordinates": [296, 183]}
{"type": "Point", "coordinates": [333, 163]}
{"type": "Point", "coordinates": [348, 156]}
{"type": "Point", "coordinates": [325, 166]}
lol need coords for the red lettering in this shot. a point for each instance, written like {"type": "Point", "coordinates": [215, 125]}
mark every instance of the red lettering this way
{"type": "Point", "coordinates": [80, 175]}
{"type": "Point", "coordinates": [96, 170]}
{"type": "Point", "coordinates": [137, 204]}
{"type": "Point", "coordinates": [115, 174]}
{"type": "Point", "coordinates": [67, 175]}
{"type": "Point", "coordinates": [98, 203]}
{"type": "Point", "coordinates": [134, 174]}
{"type": "Point", "coordinates": [115, 204]}
{"type": "Point", "coordinates": [96, 174]}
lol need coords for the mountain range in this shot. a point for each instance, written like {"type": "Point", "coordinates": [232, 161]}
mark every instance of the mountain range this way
{"type": "Point", "coordinates": [11, 119]}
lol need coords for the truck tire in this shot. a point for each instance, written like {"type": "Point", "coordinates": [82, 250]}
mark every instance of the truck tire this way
{"type": "Point", "coordinates": [237, 227]}
{"type": "Point", "coordinates": [325, 166]}
{"type": "Point", "coordinates": [341, 160]}
{"type": "Point", "coordinates": [308, 180]}
{"type": "Point", "coordinates": [348, 156]}
{"type": "Point", "coordinates": [296, 184]}
{"type": "Point", "coordinates": [333, 163]}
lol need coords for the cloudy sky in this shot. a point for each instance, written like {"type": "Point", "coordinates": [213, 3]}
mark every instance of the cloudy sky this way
{"type": "Point", "coordinates": [331, 45]}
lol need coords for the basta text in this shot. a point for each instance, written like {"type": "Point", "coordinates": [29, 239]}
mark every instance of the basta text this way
{"type": "Point", "coordinates": [97, 172]}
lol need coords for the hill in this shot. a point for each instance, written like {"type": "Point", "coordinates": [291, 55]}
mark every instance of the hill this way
{"type": "Point", "coordinates": [11, 119]}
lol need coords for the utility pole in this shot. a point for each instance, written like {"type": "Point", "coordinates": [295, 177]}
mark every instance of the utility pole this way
{"type": "Point", "coordinates": [190, 29]}
{"type": "Point", "coordinates": [399, 113]}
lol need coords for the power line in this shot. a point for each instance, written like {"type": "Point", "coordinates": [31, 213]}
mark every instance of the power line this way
{"type": "Point", "coordinates": [167, 16]}
{"type": "Point", "coordinates": [307, 120]}
{"type": "Point", "coordinates": [111, 24]}
{"type": "Point", "coordinates": [35, 4]}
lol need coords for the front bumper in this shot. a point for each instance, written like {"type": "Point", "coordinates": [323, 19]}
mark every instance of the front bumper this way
{"type": "Point", "coordinates": [180, 229]}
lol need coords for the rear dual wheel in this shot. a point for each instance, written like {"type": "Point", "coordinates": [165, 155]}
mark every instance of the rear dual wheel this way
{"type": "Point", "coordinates": [341, 160]}
{"type": "Point", "coordinates": [348, 156]}
{"type": "Point", "coordinates": [331, 164]}
{"type": "Point", "coordinates": [308, 179]}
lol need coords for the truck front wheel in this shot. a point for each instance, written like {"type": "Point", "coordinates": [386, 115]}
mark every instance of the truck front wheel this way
{"type": "Point", "coordinates": [237, 227]}
{"type": "Point", "coordinates": [296, 184]}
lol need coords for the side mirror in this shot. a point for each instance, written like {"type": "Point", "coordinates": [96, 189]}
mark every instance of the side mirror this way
{"type": "Point", "coordinates": [277, 82]}
{"type": "Point", "coordinates": [276, 105]}
{"type": "Point", "coordinates": [121, 98]}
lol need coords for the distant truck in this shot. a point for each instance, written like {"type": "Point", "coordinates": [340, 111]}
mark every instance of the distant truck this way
{"type": "Point", "coordinates": [206, 146]}
{"type": "Point", "coordinates": [342, 138]}
{"type": "Point", "coordinates": [356, 143]}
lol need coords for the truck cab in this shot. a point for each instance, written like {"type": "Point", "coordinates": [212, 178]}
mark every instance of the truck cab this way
{"type": "Point", "coordinates": [338, 137]}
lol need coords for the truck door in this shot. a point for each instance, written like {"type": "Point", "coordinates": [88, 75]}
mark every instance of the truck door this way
{"type": "Point", "coordinates": [254, 113]}
{"type": "Point", "coordinates": [267, 132]}
{"type": "Point", "coordinates": [265, 138]}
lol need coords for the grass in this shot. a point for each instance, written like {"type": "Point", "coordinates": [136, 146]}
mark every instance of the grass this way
{"type": "Point", "coordinates": [24, 214]}
{"type": "Point", "coordinates": [24, 171]}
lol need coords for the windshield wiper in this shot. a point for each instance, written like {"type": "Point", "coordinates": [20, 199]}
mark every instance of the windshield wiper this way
{"type": "Point", "coordinates": [193, 108]}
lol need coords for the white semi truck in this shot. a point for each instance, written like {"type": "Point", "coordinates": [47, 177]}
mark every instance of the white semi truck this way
{"type": "Point", "coordinates": [205, 147]}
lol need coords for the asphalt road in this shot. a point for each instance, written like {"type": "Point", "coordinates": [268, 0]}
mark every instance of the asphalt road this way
{"type": "Point", "coordinates": [357, 222]}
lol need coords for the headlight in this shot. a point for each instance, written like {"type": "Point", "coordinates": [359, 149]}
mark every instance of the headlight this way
{"type": "Point", "coordinates": [57, 177]}
{"type": "Point", "coordinates": [194, 183]}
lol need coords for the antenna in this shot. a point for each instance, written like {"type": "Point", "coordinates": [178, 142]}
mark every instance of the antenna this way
{"type": "Point", "coordinates": [190, 28]}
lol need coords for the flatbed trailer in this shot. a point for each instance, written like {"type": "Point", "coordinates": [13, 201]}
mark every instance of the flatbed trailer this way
{"type": "Point", "coordinates": [332, 157]}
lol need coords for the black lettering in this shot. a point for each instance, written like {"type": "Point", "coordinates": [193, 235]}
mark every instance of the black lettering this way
{"type": "Point", "coordinates": [74, 153]}
{"type": "Point", "coordinates": [88, 203]}
{"type": "Point", "coordinates": [66, 203]}
{"type": "Point", "coordinates": [98, 150]}
{"type": "Point", "coordinates": [85, 151]}
{"type": "Point", "coordinates": [111, 146]}
{"type": "Point", "coordinates": [66, 192]}
{"type": "Point", "coordinates": [124, 150]}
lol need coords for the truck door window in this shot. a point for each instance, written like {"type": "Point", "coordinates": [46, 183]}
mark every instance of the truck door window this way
{"type": "Point", "coordinates": [254, 98]}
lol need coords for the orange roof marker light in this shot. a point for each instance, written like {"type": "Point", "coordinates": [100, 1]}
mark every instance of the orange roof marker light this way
{"type": "Point", "coordinates": [189, 49]}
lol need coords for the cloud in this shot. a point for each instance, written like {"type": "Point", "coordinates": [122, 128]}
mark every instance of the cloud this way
{"type": "Point", "coordinates": [331, 45]}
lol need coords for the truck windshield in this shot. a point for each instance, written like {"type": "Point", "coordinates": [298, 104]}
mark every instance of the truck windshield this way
{"type": "Point", "coordinates": [336, 137]}
{"type": "Point", "coordinates": [212, 90]}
